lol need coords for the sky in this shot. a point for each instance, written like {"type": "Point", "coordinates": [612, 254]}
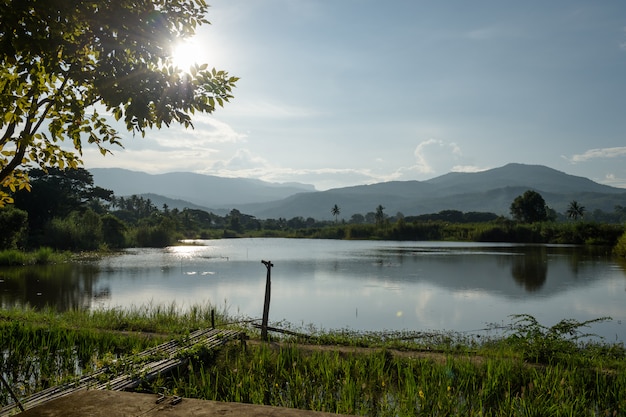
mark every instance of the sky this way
{"type": "Point", "coordinates": [337, 93]}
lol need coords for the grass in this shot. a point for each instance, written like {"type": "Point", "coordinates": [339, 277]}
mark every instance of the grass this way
{"type": "Point", "coordinates": [383, 383]}
{"type": "Point", "coordinates": [529, 370]}
{"type": "Point", "coordinates": [41, 256]}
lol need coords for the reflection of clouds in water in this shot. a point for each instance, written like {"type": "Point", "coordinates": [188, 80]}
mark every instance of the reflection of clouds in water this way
{"type": "Point", "coordinates": [326, 283]}
{"type": "Point", "coordinates": [469, 294]}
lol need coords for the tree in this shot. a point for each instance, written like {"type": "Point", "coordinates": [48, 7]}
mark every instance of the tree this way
{"type": "Point", "coordinates": [575, 210]}
{"type": "Point", "coordinates": [357, 219]}
{"type": "Point", "coordinates": [65, 63]}
{"type": "Point", "coordinates": [57, 193]}
{"type": "Point", "coordinates": [335, 211]}
{"type": "Point", "coordinates": [380, 215]}
{"type": "Point", "coordinates": [13, 223]}
{"type": "Point", "coordinates": [529, 207]}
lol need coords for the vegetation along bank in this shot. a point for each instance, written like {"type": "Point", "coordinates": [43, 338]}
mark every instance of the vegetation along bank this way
{"type": "Point", "coordinates": [65, 211]}
{"type": "Point", "coordinates": [529, 370]}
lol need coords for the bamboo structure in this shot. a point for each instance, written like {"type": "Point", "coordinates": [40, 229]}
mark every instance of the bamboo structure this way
{"type": "Point", "coordinates": [144, 366]}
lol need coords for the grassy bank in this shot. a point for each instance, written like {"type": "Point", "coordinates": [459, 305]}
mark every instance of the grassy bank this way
{"type": "Point", "coordinates": [528, 370]}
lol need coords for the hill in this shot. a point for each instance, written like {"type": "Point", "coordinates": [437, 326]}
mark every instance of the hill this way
{"type": "Point", "coordinates": [202, 191]}
{"type": "Point", "coordinates": [487, 191]}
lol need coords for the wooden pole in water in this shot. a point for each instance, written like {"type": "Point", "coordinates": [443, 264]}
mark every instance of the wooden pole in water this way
{"type": "Point", "coordinates": [266, 304]}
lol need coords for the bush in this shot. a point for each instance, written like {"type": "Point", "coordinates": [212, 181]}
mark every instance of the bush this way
{"type": "Point", "coordinates": [620, 247]}
{"type": "Point", "coordinates": [13, 224]}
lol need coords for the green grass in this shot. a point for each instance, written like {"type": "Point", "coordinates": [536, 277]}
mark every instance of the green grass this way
{"type": "Point", "coordinates": [42, 256]}
{"type": "Point", "coordinates": [42, 348]}
{"type": "Point", "coordinates": [383, 383]}
{"type": "Point", "coordinates": [528, 370]}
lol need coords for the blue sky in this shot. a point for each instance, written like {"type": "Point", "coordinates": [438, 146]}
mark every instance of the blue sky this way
{"type": "Point", "coordinates": [343, 92]}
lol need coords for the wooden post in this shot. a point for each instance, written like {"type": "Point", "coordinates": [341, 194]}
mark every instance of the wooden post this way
{"type": "Point", "coordinates": [213, 318]}
{"type": "Point", "coordinates": [266, 304]}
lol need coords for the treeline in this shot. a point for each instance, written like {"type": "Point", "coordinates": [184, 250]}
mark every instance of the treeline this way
{"type": "Point", "coordinates": [66, 211]}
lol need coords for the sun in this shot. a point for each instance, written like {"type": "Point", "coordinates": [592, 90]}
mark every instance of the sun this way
{"type": "Point", "coordinates": [187, 53]}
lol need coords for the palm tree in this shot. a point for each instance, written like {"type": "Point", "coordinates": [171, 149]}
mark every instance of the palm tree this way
{"type": "Point", "coordinates": [380, 215]}
{"type": "Point", "coordinates": [575, 210]}
{"type": "Point", "coordinates": [335, 211]}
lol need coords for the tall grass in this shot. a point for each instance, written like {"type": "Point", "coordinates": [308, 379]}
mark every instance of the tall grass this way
{"type": "Point", "coordinates": [43, 348]}
{"type": "Point", "coordinates": [386, 384]}
{"type": "Point", "coordinates": [41, 256]}
{"type": "Point", "coordinates": [533, 370]}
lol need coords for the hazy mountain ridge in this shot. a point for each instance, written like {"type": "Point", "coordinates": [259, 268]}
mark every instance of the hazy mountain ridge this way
{"type": "Point", "coordinates": [202, 190]}
{"type": "Point", "coordinates": [487, 191]}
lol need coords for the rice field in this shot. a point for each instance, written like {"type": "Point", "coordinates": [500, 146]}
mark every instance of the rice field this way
{"type": "Point", "coordinates": [531, 370]}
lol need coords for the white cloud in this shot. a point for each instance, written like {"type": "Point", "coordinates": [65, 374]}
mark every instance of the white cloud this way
{"type": "Point", "coordinates": [614, 181]}
{"type": "Point", "coordinates": [598, 153]}
{"type": "Point", "coordinates": [467, 168]}
{"type": "Point", "coordinates": [434, 152]}
{"type": "Point", "coordinates": [266, 109]}
{"type": "Point", "coordinates": [243, 160]}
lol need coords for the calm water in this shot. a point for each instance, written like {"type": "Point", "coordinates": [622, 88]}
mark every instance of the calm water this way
{"type": "Point", "coordinates": [361, 285]}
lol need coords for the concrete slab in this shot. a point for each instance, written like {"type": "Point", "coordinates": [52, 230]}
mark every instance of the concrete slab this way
{"type": "Point", "coordinates": [97, 403]}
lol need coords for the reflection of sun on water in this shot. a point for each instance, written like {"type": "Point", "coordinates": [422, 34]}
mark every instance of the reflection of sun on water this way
{"type": "Point", "coordinates": [183, 252]}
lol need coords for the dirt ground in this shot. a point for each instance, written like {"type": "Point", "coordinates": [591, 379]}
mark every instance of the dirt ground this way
{"type": "Point", "coordinates": [98, 403]}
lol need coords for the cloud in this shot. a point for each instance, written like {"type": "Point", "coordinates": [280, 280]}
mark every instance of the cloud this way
{"type": "Point", "coordinates": [467, 168]}
{"type": "Point", "coordinates": [265, 109]}
{"type": "Point", "coordinates": [207, 130]}
{"type": "Point", "coordinates": [243, 160]}
{"type": "Point", "coordinates": [434, 152]}
{"type": "Point", "coordinates": [598, 153]}
{"type": "Point", "coordinates": [246, 165]}
{"type": "Point", "coordinates": [614, 181]}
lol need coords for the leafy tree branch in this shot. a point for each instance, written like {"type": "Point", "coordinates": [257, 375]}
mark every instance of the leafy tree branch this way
{"type": "Point", "coordinates": [64, 62]}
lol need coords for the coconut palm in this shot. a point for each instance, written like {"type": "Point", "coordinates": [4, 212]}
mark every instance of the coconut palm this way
{"type": "Point", "coordinates": [335, 211]}
{"type": "Point", "coordinates": [575, 210]}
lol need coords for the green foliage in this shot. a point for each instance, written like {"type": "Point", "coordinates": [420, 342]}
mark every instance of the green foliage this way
{"type": "Point", "coordinates": [93, 55]}
{"type": "Point", "coordinates": [549, 345]}
{"type": "Point", "coordinates": [113, 231]}
{"type": "Point", "coordinates": [13, 226]}
{"type": "Point", "coordinates": [156, 235]}
{"type": "Point", "coordinates": [620, 247]}
{"type": "Point", "coordinates": [382, 382]}
{"type": "Point", "coordinates": [41, 256]}
{"type": "Point", "coordinates": [575, 210]}
{"type": "Point", "coordinates": [57, 193]}
{"type": "Point", "coordinates": [79, 231]}
{"type": "Point", "coordinates": [43, 348]}
{"type": "Point", "coordinates": [529, 207]}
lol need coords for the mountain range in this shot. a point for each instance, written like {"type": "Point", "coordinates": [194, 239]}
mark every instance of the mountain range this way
{"type": "Point", "coordinates": [486, 191]}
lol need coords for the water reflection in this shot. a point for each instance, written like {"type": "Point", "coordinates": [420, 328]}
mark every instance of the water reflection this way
{"type": "Point", "coordinates": [531, 270]}
{"type": "Point", "coordinates": [60, 287]}
{"type": "Point", "coordinates": [334, 284]}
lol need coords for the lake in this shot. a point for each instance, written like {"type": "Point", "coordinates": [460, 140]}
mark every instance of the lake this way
{"type": "Point", "coordinates": [357, 285]}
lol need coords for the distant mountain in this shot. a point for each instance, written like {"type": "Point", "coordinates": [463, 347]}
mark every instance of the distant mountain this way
{"type": "Point", "coordinates": [201, 190]}
{"type": "Point", "coordinates": [172, 203]}
{"type": "Point", "coordinates": [488, 191]}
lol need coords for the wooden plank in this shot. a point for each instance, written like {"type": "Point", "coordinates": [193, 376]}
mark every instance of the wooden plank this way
{"type": "Point", "coordinates": [168, 360]}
